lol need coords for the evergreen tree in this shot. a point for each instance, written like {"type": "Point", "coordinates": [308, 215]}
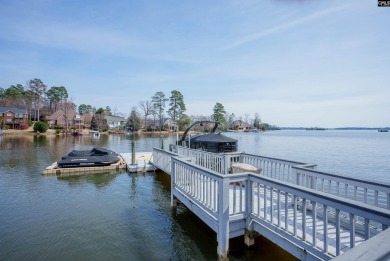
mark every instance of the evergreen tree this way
{"type": "Point", "coordinates": [159, 105]}
{"type": "Point", "coordinates": [177, 106]}
{"type": "Point", "coordinates": [134, 121]}
{"type": "Point", "coordinates": [56, 94]}
{"type": "Point", "coordinates": [219, 115]}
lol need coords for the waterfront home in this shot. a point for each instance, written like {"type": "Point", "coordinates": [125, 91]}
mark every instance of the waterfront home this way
{"type": "Point", "coordinates": [167, 124]}
{"type": "Point", "coordinates": [115, 122]}
{"type": "Point", "coordinates": [62, 119]}
{"type": "Point", "coordinates": [12, 117]}
{"type": "Point", "coordinates": [240, 125]}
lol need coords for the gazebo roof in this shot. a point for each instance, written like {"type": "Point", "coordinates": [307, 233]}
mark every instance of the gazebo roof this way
{"type": "Point", "coordinates": [212, 137]}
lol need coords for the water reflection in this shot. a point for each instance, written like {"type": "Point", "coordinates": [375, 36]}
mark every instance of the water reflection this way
{"type": "Point", "coordinates": [99, 180]}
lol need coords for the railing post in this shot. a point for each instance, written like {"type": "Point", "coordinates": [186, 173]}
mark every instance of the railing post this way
{"type": "Point", "coordinates": [173, 201]}
{"type": "Point", "coordinates": [249, 236]}
{"type": "Point", "coordinates": [249, 201]}
{"type": "Point", "coordinates": [226, 164]}
{"type": "Point", "coordinates": [223, 218]}
{"type": "Point", "coordinates": [297, 176]}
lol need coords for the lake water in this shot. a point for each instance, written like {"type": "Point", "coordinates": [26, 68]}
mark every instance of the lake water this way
{"type": "Point", "coordinates": [128, 216]}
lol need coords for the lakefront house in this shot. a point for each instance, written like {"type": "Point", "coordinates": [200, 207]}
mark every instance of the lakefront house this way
{"type": "Point", "coordinates": [59, 119]}
{"type": "Point", "coordinates": [11, 117]}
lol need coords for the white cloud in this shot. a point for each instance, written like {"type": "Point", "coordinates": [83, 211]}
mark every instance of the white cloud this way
{"type": "Point", "coordinates": [297, 22]}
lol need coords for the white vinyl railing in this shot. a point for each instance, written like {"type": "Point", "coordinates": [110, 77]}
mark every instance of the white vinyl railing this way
{"type": "Point", "coordinates": [323, 224]}
{"type": "Point", "coordinates": [298, 173]}
{"type": "Point", "coordinates": [212, 161]}
{"type": "Point", "coordinates": [222, 162]}
{"type": "Point", "coordinates": [369, 192]}
{"type": "Point", "coordinates": [274, 168]}
{"type": "Point", "coordinates": [162, 159]}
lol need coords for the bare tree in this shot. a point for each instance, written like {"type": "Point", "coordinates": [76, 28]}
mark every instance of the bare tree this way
{"type": "Point", "coordinates": [146, 107]}
{"type": "Point", "coordinates": [246, 117]}
{"type": "Point", "coordinates": [38, 90]}
{"type": "Point", "coordinates": [67, 106]}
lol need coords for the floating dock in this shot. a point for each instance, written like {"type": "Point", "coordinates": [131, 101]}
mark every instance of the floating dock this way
{"type": "Point", "coordinates": [142, 165]}
{"type": "Point", "coordinates": [142, 162]}
{"type": "Point", "coordinates": [53, 169]}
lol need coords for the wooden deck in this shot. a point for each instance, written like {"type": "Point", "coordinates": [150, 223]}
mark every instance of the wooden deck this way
{"type": "Point", "coordinates": [311, 214]}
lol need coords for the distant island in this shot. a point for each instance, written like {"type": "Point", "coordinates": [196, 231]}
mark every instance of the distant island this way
{"type": "Point", "coordinates": [315, 128]}
{"type": "Point", "coordinates": [342, 128]}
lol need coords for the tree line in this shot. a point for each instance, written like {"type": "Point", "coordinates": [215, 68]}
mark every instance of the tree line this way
{"type": "Point", "coordinates": [149, 115]}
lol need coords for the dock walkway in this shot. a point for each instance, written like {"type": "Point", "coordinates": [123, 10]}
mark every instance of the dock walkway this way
{"type": "Point", "coordinates": [311, 214]}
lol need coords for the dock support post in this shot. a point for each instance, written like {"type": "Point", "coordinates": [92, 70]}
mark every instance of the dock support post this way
{"type": "Point", "coordinates": [132, 153]}
{"type": "Point", "coordinates": [249, 237]}
{"type": "Point", "coordinates": [223, 219]}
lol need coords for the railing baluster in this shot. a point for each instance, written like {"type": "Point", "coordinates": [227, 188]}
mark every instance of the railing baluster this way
{"type": "Point", "coordinates": [258, 199]}
{"type": "Point", "coordinates": [216, 184]}
{"type": "Point", "coordinates": [234, 197]}
{"type": "Point", "coordinates": [338, 234]}
{"type": "Point", "coordinates": [366, 228]}
{"type": "Point", "coordinates": [346, 190]}
{"type": "Point", "coordinates": [325, 207]}
{"type": "Point", "coordinates": [388, 200]}
{"type": "Point", "coordinates": [365, 195]}
{"type": "Point", "coordinates": [376, 197]}
{"type": "Point", "coordinates": [271, 205]}
{"type": "Point", "coordinates": [279, 216]}
{"type": "Point", "coordinates": [286, 210]}
{"type": "Point", "coordinates": [352, 230]}
{"type": "Point", "coordinates": [208, 189]}
{"type": "Point", "coordinates": [304, 220]}
{"type": "Point", "coordinates": [241, 197]}
{"type": "Point", "coordinates": [314, 206]}
{"type": "Point", "coordinates": [295, 214]}
{"type": "Point", "coordinates": [265, 202]}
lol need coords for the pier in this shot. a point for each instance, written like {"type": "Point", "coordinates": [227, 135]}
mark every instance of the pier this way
{"type": "Point", "coordinates": [314, 215]}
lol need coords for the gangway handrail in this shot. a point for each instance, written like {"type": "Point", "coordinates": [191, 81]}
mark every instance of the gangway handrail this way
{"type": "Point", "coordinates": [282, 196]}
{"type": "Point", "coordinates": [305, 174]}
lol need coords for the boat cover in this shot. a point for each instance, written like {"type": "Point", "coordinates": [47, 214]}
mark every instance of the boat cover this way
{"type": "Point", "coordinates": [88, 158]}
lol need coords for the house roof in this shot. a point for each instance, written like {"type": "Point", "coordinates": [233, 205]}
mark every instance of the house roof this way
{"type": "Point", "coordinates": [13, 109]}
{"type": "Point", "coordinates": [114, 118]}
{"type": "Point", "coordinates": [241, 123]}
{"type": "Point", "coordinates": [71, 115]}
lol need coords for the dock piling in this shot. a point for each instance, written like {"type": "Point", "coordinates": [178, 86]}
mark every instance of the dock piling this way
{"type": "Point", "coordinates": [132, 153]}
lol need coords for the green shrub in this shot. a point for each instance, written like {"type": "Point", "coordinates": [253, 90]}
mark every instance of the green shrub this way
{"type": "Point", "coordinates": [41, 126]}
{"type": "Point", "coordinates": [30, 122]}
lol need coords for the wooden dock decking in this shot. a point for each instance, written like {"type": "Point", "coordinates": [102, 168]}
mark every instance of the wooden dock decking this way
{"type": "Point", "coordinates": [142, 162]}
{"type": "Point", "coordinates": [309, 213]}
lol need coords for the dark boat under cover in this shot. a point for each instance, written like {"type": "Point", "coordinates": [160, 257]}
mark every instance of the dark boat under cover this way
{"type": "Point", "coordinates": [88, 158]}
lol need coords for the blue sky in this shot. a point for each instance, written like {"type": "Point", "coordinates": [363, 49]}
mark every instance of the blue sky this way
{"type": "Point", "coordinates": [295, 62]}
